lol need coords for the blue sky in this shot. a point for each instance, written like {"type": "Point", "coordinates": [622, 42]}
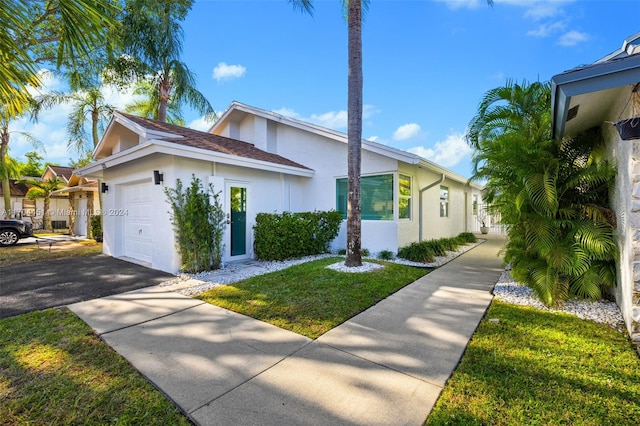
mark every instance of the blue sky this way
{"type": "Point", "coordinates": [427, 63]}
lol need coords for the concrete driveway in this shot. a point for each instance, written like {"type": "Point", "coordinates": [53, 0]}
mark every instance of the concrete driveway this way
{"type": "Point", "coordinates": [40, 285]}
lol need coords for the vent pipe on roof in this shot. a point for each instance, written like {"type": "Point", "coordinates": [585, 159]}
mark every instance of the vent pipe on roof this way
{"type": "Point", "coordinates": [438, 182]}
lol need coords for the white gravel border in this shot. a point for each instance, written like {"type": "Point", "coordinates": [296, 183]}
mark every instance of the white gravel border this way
{"type": "Point", "coordinates": [506, 289]}
{"type": "Point", "coordinates": [601, 311]}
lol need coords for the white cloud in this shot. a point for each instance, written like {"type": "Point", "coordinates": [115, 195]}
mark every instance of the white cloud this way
{"type": "Point", "coordinates": [407, 131]}
{"type": "Point", "coordinates": [287, 112]}
{"type": "Point", "coordinates": [331, 119]}
{"type": "Point", "coordinates": [447, 153]}
{"type": "Point", "coordinates": [572, 38]}
{"type": "Point", "coordinates": [373, 138]}
{"type": "Point", "coordinates": [223, 71]}
{"type": "Point", "coordinates": [201, 124]}
{"type": "Point", "coordinates": [538, 10]}
{"type": "Point", "coordinates": [336, 120]}
{"type": "Point", "coordinates": [459, 4]}
{"type": "Point", "coordinates": [545, 30]}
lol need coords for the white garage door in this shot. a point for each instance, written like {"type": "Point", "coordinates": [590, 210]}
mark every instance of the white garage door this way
{"type": "Point", "coordinates": [137, 221]}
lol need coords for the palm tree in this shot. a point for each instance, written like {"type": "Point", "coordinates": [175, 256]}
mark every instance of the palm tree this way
{"type": "Point", "coordinates": [9, 168]}
{"type": "Point", "coordinates": [354, 131]}
{"type": "Point", "coordinates": [43, 189]}
{"type": "Point", "coordinates": [36, 31]}
{"type": "Point", "coordinates": [553, 196]}
{"type": "Point", "coordinates": [152, 34]}
{"type": "Point", "coordinates": [88, 104]}
{"type": "Point", "coordinates": [149, 104]}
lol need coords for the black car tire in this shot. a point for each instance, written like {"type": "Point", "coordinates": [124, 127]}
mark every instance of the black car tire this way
{"type": "Point", "coordinates": [8, 237]}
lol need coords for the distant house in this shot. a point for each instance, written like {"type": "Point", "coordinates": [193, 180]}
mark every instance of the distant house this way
{"type": "Point", "coordinates": [74, 202]}
{"type": "Point", "coordinates": [18, 191]}
{"type": "Point", "coordinates": [264, 162]}
{"type": "Point", "coordinates": [83, 201]}
{"type": "Point", "coordinates": [601, 95]}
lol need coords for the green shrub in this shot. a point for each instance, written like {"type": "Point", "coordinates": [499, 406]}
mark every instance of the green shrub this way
{"type": "Point", "coordinates": [199, 225]}
{"type": "Point", "coordinates": [437, 247]}
{"type": "Point", "coordinates": [467, 238]}
{"type": "Point", "coordinates": [385, 255]}
{"type": "Point", "coordinates": [96, 227]}
{"type": "Point", "coordinates": [364, 252]}
{"type": "Point", "coordinates": [450, 244]}
{"type": "Point", "coordinates": [288, 235]}
{"type": "Point", "coordinates": [417, 252]}
{"type": "Point", "coordinates": [342, 252]}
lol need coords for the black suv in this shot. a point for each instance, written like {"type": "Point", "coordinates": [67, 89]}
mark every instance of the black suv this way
{"type": "Point", "coordinates": [11, 230]}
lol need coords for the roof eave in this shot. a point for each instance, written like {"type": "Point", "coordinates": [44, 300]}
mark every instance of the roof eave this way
{"type": "Point", "coordinates": [170, 148]}
{"type": "Point", "coordinates": [600, 76]}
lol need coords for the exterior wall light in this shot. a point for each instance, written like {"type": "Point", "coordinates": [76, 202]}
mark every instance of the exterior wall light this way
{"type": "Point", "coordinates": [104, 187]}
{"type": "Point", "coordinates": [158, 177]}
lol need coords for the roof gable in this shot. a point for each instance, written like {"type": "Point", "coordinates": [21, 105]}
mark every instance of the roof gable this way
{"type": "Point", "coordinates": [240, 110]}
{"type": "Point", "coordinates": [63, 172]}
{"type": "Point", "coordinates": [152, 130]}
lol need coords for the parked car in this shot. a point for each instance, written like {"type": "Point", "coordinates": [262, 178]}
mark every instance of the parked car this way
{"type": "Point", "coordinates": [11, 230]}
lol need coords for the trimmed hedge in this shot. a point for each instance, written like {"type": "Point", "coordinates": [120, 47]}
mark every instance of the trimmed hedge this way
{"type": "Point", "coordinates": [289, 235]}
{"type": "Point", "coordinates": [426, 251]}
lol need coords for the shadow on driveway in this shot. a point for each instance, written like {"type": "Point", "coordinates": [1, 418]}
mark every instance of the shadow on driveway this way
{"type": "Point", "coordinates": [40, 285]}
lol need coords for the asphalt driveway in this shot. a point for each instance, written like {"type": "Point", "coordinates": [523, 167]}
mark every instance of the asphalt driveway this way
{"type": "Point", "coordinates": [40, 285]}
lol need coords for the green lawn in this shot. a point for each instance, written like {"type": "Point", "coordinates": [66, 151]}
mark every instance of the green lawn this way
{"type": "Point", "coordinates": [310, 299]}
{"type": "Point", "coordinates": [55, 371]}
{"type": "Point", "coordinates": [29, 253]}
{"type": "Point", "coordinates": [523, 365]}
{"type": "Point", "coordinates": [540, 368]}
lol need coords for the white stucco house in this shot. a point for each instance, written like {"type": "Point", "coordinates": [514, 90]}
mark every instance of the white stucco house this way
{"type": "Point", "coordinates": [266, 162]}
{"type": "Point", "coordinates": [600, 95]}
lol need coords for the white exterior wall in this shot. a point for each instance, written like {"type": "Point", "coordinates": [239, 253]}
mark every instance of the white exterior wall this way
{"type": "Point", "coordinates": [113, 214]}
{"type": "Point", "coordinates": [267, 192]}
{"type": "Point", "coordinates": [626, 202]}
{"type": "Point", "coordinates": [328, 158]}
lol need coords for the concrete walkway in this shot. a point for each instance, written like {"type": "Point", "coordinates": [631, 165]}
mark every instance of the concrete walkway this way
{"type": "Point", "coordinates": [385, 366]}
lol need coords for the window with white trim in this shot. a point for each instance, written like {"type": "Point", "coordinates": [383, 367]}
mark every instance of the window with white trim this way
{"type": "Point", "coordinates": [444, 201]}
{"type": "Point", "coordinates": [404, 197]}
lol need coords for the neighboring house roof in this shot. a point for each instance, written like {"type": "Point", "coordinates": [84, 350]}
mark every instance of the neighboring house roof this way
{"type": "Point", "coordinates": [165, 138]}
{"type": "Point", "coordinates": [237, 111]}
{"type": "Point", "coordinates": [16, 188]}
{"type": "Point", "coordinates": [582, 97]}
{"type": "Point", "coordinates": [59, 172]}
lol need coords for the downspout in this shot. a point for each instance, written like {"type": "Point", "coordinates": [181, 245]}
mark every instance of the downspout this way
{"type": "Point", "coordinates": [439, 181]}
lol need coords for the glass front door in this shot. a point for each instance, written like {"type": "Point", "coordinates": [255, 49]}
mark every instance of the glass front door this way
{"type": "Point", "coordinates": [238, 220]}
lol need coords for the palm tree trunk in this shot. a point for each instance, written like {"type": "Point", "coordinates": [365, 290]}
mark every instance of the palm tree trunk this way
{"type": "Point", "coordinates": [46, 216]}
{"type": "Point", "coordinates": [354, 134]}
{"type": "Point", "coordinates": [6, 188]}
{"type": "Point", "coordinates": [72, 215]}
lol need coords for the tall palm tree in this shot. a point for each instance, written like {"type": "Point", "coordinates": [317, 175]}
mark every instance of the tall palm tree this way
{"type": "Point", "coordinates": [152, 34]}
{"type": "Point", "coordinates": [87, 105]}
{"type": "Point", "coordinates": [9, 169]}
{"type": "Point", "coordinates": [149, 104]}
{"type": "Point", "coordinates": [553, 196]}
{"type": "Point", "coordinates": [354, 130]}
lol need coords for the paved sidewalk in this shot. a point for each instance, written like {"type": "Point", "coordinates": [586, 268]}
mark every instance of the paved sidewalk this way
{"type": "Point", "coordinates": [385, 366]}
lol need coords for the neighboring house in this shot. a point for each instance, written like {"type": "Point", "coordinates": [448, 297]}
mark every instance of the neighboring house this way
{"type": "Point", "coordinates": [73, 203]}
{"type": "Point", "coordinates": [59, 205]}
{"type": "Point", "coordinates": [18, 191]}
{"type": "Point", "coordinates": [83, 201]}
{"type": "Point", "coordinates": [599, 95]}
{"type": "Point", "coordinates": [261, 161]}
